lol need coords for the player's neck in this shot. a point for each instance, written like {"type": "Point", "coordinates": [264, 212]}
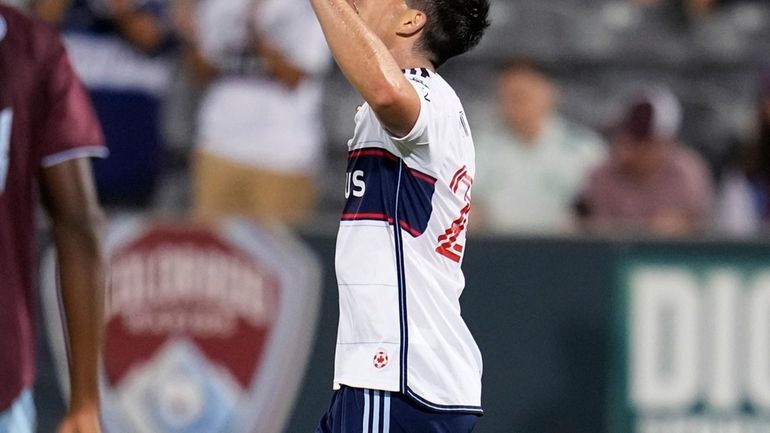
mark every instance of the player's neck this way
{"type": "Point", "coordinates": [407, 58]}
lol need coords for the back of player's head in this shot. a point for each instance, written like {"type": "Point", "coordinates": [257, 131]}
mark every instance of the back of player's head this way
{"type": "Point", "coordinates": [453, 26]}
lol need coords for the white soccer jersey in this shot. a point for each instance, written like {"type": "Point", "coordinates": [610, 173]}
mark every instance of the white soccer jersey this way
{"type": "Point", "coordinates": [399, 252]}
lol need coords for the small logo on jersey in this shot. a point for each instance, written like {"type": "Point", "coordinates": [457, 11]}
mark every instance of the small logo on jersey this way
{"type": "Point", "coordinates": [3, 28]}
{"type": "Point", "coordinates": [380, 360]}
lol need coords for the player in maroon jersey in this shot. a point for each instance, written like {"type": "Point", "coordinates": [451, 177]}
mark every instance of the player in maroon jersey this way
{"type": "Point", "coordinates": [48, 132]}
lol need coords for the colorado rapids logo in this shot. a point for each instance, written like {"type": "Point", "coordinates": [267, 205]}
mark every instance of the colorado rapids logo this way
{"type": "Point", "coordinates": [208, 329]}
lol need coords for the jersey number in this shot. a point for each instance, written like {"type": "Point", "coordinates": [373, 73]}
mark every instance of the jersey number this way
{"type": "Point", "coordinates": [6, 119]}
{"type": "Point", "coordinates": [449, 245]}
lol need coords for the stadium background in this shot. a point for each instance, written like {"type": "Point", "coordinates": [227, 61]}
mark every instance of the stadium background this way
{"type": "Point", "coordinates": [551, 313]}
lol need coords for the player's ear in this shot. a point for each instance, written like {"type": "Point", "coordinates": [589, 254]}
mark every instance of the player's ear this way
{"type": "Point", "coordinates": [412, 21]}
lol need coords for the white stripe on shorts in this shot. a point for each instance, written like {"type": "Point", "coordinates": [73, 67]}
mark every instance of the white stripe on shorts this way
{"type": "Point", "coordinates": [376, 416]}
{"type": "Point", "coordinates": [365, 424]}
{"type": "Point", "coordinates": [386, 413]}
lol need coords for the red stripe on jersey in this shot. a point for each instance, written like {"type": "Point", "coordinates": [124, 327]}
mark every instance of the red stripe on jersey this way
{"type": "Point", "coordinates": [423, 176]}
{"type": "Point", "coordinates": [448, 254]}
{"type": "Point", "coordinates": [372, 152]}
{"type": "Point", "coordinates": [414, 232]}
{"type": "Point", "coordinates": [367, 216]}
{"type": "Point", "coordinates": [456, 178]}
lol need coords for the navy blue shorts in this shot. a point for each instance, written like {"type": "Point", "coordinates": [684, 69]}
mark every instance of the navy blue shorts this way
{"type": "Point", "coordinates": [355, 410]}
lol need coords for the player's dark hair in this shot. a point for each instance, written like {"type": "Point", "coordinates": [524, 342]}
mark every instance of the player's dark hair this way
{"type": "Point", "coordinates": [453, 26]}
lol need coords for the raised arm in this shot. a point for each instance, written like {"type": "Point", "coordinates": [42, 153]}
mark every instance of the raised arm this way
{"type": "Point", "coordinates": [70, 199]}
{"type": "Point", "coordinates": [368, 63]}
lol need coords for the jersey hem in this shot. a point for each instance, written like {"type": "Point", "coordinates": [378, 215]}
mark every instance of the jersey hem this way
{"type": "Point", "coordinates": [476, 410]}
{"type": "Point", "coordinates": [362, 383]}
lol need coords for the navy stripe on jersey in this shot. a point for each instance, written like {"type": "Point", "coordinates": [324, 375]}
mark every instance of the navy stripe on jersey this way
{"type": "Point", "coordinates": [372, 179]}
{"type": "Point", "coordinates": [403, 322]}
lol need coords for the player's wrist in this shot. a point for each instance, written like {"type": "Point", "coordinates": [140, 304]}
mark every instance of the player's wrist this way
{"type": "Point", "coordinates": [85, 400]}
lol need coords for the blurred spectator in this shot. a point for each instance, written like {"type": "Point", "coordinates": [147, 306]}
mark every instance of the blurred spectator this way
{"type": "Point", "coordinates": [651, 183]}
{"type": "Point", "coordinates": [531, 167]}
{"type": "Point", "coordinates": [139, 22]}
{"type": "Point", "coordinates": [689, 10]}
{"type": "Point", "coordinates": [122, 50]}
{"type": "Point", "coordinates": [260, 135]}
{"type": "Point", "coordinates": [744, 199]}
{"type": "Point", "coordinates": [695, 9]}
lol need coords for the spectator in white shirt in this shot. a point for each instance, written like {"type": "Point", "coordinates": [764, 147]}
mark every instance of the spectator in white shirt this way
{"type": "Point", "coordinates": [535, 161]}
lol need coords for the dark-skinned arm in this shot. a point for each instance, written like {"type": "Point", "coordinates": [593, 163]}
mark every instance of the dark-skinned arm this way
{"type": "Point", "coordinates": [70, 198]}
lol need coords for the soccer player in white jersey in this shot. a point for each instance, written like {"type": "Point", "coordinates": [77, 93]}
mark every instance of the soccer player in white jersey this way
{"type": "Point", "coordinates": [405, 360]}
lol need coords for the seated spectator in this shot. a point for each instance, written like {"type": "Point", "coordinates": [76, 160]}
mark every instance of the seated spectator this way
{"type": "Point", "coordinates": [744, 198]}
{"type": "Point", "coordinates": [651, 183]}
{"type": "Point", "coordinates": [530, 168]}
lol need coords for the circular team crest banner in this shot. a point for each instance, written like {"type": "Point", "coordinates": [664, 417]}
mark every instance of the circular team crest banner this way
{"type": "Point", "coordinates": [208, 328]}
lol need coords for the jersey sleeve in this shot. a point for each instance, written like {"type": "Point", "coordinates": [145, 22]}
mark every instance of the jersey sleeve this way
{"type": "Point", "coordinates": [419, 134]}
{"type": "Point", "coordinates": [67, 126]}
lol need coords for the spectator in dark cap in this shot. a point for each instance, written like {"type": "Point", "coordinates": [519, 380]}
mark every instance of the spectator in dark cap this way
{"type": "Point", "coordinates": [651, 183]}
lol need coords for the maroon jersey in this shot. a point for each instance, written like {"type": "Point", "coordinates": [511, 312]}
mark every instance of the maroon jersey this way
{"type": "Point", "coordinates": [45, 119]}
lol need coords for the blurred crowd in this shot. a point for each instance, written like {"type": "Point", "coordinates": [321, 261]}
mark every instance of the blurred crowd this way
{"type": "Point", "coordinates": [220, 107]}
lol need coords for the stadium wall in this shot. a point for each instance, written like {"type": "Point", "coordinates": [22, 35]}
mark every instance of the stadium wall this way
{"type": "Point", "coordinates": [554, 320]}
